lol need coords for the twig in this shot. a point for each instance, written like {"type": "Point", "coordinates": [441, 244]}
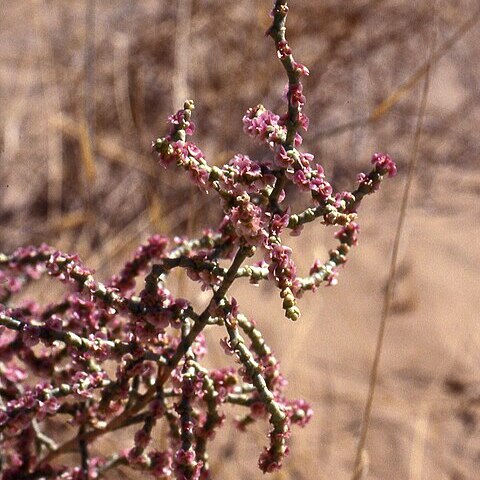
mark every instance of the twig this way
{"type": "Point", "coordinates": [83, 446]}
{"type": "Point", "coordinates": [74, 340]}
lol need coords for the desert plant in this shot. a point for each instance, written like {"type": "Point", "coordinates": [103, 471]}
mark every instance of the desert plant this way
{"type": "Point", "coordinates": [107, 357]}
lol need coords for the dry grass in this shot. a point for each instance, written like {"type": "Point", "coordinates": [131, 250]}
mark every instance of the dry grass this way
{"type": "Point", "coordinates": [81, 105]}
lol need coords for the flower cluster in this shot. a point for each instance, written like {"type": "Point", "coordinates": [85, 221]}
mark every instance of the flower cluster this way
{"type": "Point", "coordinates": [56, 360]}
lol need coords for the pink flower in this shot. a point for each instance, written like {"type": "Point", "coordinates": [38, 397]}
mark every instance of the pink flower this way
{"type": "Point", "coordinates": [282, 158]}
{"type": "Point", "coordinates": [279, 223]}
{"type": "Point", "coordinates": [249, 221]}
{"type": "Point", "coordinates": [31, 335]}
{"type": "Point", "coordinates": [349, 234]}
{"type": "Point", "coordinates": [178, 121]}
{"type": "Point", "coordinates": [385, 164]}
{"type": "Point", "coordinates": [264, 126]}
{"type": "Point", "coordinates": [3, 418]}
{"type": "Point", "coordinates": [185, 465]}
{"type": "Point", "coordinates": [161, 464]}
{"type": "Point", "coordinates": [295, 95]}
{"type": "Point", "coordinates": [225, 344]}
{"type": "Point", "coordinates": [284, 50]}
{"type": "Point", "coordinates": [48, 407]}
{"type": "Point", "coordinates": [300, 179]}
{"type": "Point", "coordinates": [332, 278]}
{"type": "Point", "coordinates": [300, 412]}
{"type": "Point", "coordinates": [303, 121]}
{"type": "Point", "coordinates": [282, 268]}
{"type": "Point", "coordinates": [301, 69]}
{"type": "Point", "coordinates": [142, 439]}
{"type": "Point", "coordinates": [361, 177]}
{"type": "Point", "coordinates": [14, 374]}
{"type": "Point", "coordinates": [54, 322]}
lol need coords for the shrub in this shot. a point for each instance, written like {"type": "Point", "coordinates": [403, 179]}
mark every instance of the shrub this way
{"type": "Point", "coordinates": [56, 360]}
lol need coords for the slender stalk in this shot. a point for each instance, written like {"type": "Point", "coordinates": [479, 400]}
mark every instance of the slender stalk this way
{"type": "Point", "coordinates": [388, 297]}
{"type": "Point", "coordinates": [83, 449]}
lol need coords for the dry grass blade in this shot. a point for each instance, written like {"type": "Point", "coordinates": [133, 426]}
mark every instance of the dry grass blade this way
{"type": "Point", "coordinates": [121, 51]}
{"type": "Point", "coordinates": [88, 159]}
{"type": "Point", "coordinates": [182, 48]}
{"type": "Point", "coordinates": [358, 471]}
{"type": "Point", "coordinates": [388, 103]}
{"type": "Point", "coordinates": [108, 148]}
{"type": "Point", "coordinates": [51, 103]}
{"type": "Point", "coordinates": [89, 98]}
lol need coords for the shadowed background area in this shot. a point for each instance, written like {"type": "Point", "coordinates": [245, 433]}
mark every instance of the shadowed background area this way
{"type": "Point", "coordinates": [85, 86]}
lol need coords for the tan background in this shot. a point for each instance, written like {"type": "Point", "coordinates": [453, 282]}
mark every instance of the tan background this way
{"type": "Point", "coordinates": [137, 65]}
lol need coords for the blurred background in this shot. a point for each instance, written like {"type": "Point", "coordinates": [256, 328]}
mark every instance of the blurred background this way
{"type": "Point", "coordinates": [86, 85]}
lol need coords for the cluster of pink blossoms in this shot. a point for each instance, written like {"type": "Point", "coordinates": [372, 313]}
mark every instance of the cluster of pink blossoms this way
{"type": "Point", "coordinates": [56, 360]}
